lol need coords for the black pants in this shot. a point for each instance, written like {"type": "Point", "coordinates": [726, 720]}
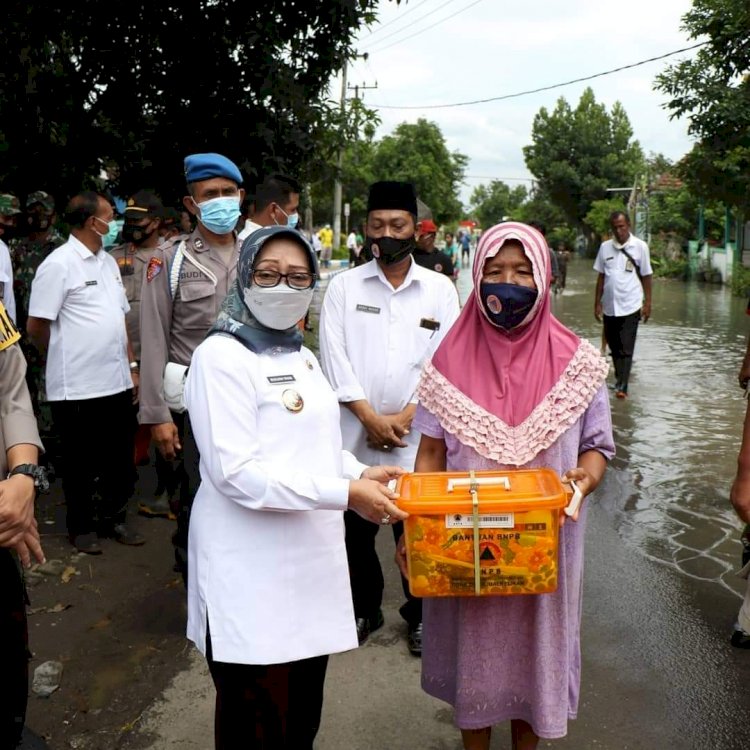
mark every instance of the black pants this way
{"type": "Point", "coordinates": [620, 333]}
{"type": "Point", "coordinates": [14, 652]}
{"type": "Point", "coordinates": [97, 452]}
{"type": "Point", "coordinates": [367, 575]}
{"type": "Point", "coordinates": [267, 707]}
{"type": "Point", "coordinates": [188, 478]}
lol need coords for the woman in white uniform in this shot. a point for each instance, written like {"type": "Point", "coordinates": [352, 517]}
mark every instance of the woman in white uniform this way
{"type": "Point", "coordinates": [269, 595]}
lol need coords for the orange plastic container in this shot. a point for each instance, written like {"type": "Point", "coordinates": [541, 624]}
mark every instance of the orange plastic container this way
{"type": "Point", "coordinates": [482, 533]}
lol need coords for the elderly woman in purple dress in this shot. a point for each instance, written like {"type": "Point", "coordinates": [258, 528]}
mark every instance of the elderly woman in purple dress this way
{"type": "Point", "coordinates": [511, 387]}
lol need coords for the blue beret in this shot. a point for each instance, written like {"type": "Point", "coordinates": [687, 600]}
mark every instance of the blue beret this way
{"type": "Point", "coordinates": [205, 166]}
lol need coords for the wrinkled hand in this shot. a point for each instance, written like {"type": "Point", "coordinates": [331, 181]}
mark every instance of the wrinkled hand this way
{"type": "Point", "coordinates": [374, 502]}
{"type": "Point", "coordinates": [167, 439]}
{"type": "Point", "coordinates": [598, 311]}
{"type": "Point", "coordinates": [584, 482]}
{"type": "Point", "coordinates": [383, 474]}
{"type": "Point", "coordinates": [744, 375]}
{"type": "Point", "coordinates": [400, 557]}
{"type": "Point", "coordinates": [18, 529]}
{"type": "Point", "coordinates": [740, 496]}
{"type": "Point", "coordinates": [384, 431]}
{"type": "Point", "coordinates": [646, 312]}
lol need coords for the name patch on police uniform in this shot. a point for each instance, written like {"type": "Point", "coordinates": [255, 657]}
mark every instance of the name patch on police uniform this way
{"type": "Point", "coordinates": [94, 282]}
{"type": "Point", "coordinates": [368, 309]}
{"type": "Point", "coordinates": [430, 324]}
{"type": "Point", "coordinates": [153, 269]}
{"type": "Point", "coordinates": [8, 332]}
{"type": "Point", "coordinates": [274, 379]}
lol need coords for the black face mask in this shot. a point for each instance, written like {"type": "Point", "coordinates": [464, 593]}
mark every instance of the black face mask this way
{"type": "Point", "coordinates": [388, 250]}
{"type": "Point", "coordinates": [135, 233]}
{"type": "Point", "coordinates": [9, 232]}
{"type": "Point", "coordinates": [38, 223]}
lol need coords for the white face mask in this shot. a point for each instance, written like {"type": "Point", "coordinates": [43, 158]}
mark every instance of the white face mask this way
{"type": "Point", "coordinates": [277, 307]}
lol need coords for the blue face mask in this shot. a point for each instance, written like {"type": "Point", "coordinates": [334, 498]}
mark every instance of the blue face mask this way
{"type": "Point", "coordinates": [113, 229]}
{"type": "Point", "coordinates": [291, 219]}
{"type": "Point", "coordinates": [219, 215]}
{"type": "Point", "coordinates": [507, 305]}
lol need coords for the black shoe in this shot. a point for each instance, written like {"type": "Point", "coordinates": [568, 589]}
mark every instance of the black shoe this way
{"type": "Point", "coordinates": [414, 639]}
{"type": "Point", "coordinates": [156, 507]}
{"type": "Point", "coordinates": [125, 535]}
{"type": "Point", "coordinates": [87, 543]}
{"type": "Point", "coordinates": [367, 625]}
{"type": "Point", "coordinates": [740, 639]}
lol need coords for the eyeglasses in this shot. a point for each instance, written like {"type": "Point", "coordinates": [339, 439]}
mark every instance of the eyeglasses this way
{"type": "Point", "coordinates": [296, 280]}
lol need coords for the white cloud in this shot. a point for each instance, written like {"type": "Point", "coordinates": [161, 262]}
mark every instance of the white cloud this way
{"type": "Point", "coordinates": [500, 47]}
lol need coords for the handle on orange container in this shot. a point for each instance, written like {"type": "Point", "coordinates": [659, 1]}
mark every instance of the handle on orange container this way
{"type": "Point", "coordinates": [478, 481]}
{"type": "Point", "coordinates": [474, 490]}
{"type": "Point", "coordinates": [575, 502]}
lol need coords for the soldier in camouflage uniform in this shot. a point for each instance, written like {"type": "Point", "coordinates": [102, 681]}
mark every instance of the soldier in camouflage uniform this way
{"type": "Point", "coordinates": [38, 239]}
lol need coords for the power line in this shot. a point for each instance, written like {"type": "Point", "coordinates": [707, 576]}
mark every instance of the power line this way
{"type": "Point", "coordinates": [393, 20]}
{"type": "Point", "coordinates": [493, 177]}
{"type": "Point", "coordinates": [426, 28]}
{"type": "Point", "coordinates": [418, 20]}
{"type": "Point", "coordinates": [543, 88]}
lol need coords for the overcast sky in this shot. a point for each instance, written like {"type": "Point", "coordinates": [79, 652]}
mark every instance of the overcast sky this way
{"type": "Point", "coordinates": [482, 48]}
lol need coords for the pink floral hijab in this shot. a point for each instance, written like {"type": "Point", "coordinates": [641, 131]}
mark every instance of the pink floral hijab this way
{"type": "Point", "coordinates": [510, 395]}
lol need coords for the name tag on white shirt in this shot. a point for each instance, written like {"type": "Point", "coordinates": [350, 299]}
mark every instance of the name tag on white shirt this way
{"type": "Point", "coordinates": [278, 379]}
{"type": "Point", "coordinates": [92, 283]}
{"type": "Point", "coordinates": [368, 309]}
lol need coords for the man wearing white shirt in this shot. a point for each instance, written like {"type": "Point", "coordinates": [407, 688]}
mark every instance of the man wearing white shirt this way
{"type": "Point", "coordinates": [10, 207]}
{"type": "Point", "coordinates": [380, 322]}
{"type": "Point", "coordinates": [77, 318]}
{"type": "Point", "coordinates": [623, 294]}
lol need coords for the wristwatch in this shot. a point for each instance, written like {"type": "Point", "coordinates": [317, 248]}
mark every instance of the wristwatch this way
{"type": "Point", "coordinates": [134, 365]}
{"type": "Point", "coordinates": [37, 473]}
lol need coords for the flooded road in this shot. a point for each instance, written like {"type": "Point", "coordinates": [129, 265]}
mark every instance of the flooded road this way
{"type": "Point", "coordinates": [678, 434]}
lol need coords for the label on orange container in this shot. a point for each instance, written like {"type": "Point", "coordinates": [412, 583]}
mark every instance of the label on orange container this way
{"type": "Point", "coordinates": [466, 521]}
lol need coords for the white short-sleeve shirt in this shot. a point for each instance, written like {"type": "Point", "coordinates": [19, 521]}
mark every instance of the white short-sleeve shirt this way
{"type": "Point", "coordinates": [81, 293]}
{"type": "Point", "coordinates": [623, 291]}
{"type": "Point", "coordinates": [374, 341]}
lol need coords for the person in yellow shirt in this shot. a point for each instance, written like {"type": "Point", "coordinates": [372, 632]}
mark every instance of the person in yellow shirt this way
{"type": "Point", "coordinates": [326, 241]}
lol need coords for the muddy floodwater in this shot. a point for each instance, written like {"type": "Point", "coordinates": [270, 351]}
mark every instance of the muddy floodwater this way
{"type": "Point", "coordinates": [678, 433]}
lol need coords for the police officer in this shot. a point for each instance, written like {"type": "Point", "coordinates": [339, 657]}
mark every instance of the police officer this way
{"type": "Point", "coordinates": [144, 218]}
{"type": "Point", "coordinates": [19, 538]}
{"type": "Point", "coordinates": [185, 282]}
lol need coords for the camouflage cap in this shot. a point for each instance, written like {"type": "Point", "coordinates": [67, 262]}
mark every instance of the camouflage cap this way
{"type": "Point", "coordinates": [9, 205]}
{"type": "Point", "coordinates": [43, 199]}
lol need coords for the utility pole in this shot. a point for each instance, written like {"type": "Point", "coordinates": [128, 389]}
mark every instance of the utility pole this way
{"type": "Point", "coordinates": [337, 188]}
{"type": "Point", "coordinates": [339, 167]}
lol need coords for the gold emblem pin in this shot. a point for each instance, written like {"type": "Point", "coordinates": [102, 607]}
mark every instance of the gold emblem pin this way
{"type": "Point", "coordinates": [292, 400]}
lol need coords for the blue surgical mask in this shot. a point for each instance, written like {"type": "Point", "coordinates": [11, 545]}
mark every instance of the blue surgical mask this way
{"type": "Point", "coordinates": [219, 215]}
{"type": "Point", "coordinates": [291, 219]}
{"type": "Point", "coordinates": [113, 229]}
{"type": "Point", "coordinates": [506, 305]}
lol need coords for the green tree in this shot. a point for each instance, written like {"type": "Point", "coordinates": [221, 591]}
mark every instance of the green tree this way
{"type": "Point", "coordinates": [598, 216]}
{"type": "Point", "coordinates": [490, 204]}
{"type": "Point", "coordinates": [713, 91]}
{"type": "Point", "coordinates": [137, 85]}
{"type": "Point", "coordinates": [417, 152]}
{"type": "Point", "coordinates": [576, 154]}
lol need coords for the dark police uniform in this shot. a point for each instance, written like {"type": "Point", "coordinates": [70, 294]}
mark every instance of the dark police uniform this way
{"type": "Point", "coordinates": [17, 426]}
